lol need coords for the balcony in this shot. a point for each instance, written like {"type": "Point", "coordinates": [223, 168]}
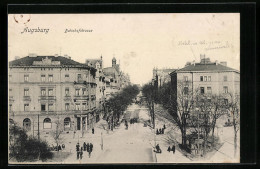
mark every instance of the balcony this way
{"type": "Point", "coordinates": [26, 98]}
{"type": "Point", "coordinates": [81, 97]}
{"type": "Point", "coordinates": [47, 97]}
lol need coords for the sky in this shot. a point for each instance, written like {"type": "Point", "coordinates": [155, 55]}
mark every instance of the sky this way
{"type": "Point", "coordinates": [139, 42]}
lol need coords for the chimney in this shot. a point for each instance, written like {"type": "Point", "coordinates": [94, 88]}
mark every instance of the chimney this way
{"type": "Point", "coordinates": [223, 63]}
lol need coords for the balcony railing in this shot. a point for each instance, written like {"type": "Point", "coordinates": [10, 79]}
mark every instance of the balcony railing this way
{"type": "Point", "coordinates": [47, 97]}
{"type": "Point", "coordinates": [81, 97]}
{"type": "Point", "coordinates": [26, 98]}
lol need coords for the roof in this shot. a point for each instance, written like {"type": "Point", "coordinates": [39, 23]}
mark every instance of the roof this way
{"type": "Point", "coordinates": [110, 71]}
{"type": "Point", "coordinates": [49, 60]}
{"type": "Point", "coordinates": [93, 62]}
{"type": "Point", "coordinates": [206, 67]}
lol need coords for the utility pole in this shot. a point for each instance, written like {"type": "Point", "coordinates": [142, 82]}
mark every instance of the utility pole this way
{"type": "Point", "coordinates": [38, 128]}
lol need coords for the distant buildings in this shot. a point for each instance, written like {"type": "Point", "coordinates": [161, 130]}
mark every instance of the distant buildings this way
{"type": "Point", "coordinates": [47, 90]}
{"type": "Point", "coordinates": [162, 76]}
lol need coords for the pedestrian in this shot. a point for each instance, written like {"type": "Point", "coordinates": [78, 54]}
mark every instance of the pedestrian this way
{"type": "Point", "coordinates": [173, 149]}
{"type": "Point", "coordinates": [162, 130]}
{"type": "Point", "coordinates": [157, 131]}
{"type": "Point", "coordinates": [63, 146]}
{"type": "Point", "coordinates": [81, 152]}
{"type": "Point", "coordinates": [164, 126]}
{"type": "Point", "coordinates": [59, 148]}
{"type": "Point", "coordinates": [77, 147]}
{"type": "Point", "coordinates": [84, 146]}
{"type": "Point", "coordinates": [169, 149]}
{"type": "Point", "coordinates": [93, 130]}
{"type": "Point", "coordinates": [91, 147]}
{"type": "Point", "coordinates": [88, 149]}
{"type": "Point", "coordinates": [78, 155]}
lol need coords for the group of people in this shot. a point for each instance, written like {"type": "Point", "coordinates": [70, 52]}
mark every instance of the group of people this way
{"type": "Point", "coordinates": [134, 120]}
{"type": "Point", "coordinates": [161, 130]}
{"type": "Point", "coordinates": [171, 149]}
{"type": "Point", "coordinates": [86, 147]}
{"type": "Point", "coordinates": [58, 147]}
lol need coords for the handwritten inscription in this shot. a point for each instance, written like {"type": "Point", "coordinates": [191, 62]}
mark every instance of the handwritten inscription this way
{"type": "Point", "coordinates": [208, 45]}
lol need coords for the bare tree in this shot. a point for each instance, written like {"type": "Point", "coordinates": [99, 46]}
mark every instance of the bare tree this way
{"type": "Point", "coordinates": [57, 133]}
{"type": "Point", "coordinates": [233, 107]}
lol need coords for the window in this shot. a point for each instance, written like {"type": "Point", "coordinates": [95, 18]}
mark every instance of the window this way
{"type": "Point", "coordinates": [43, 107]}
{"type": "Point", "coordinates": [10, 107]}
{"type": "Point", "coordinates": [205, 78]}
{"type": "Point", "coordinates": [26, 107]}
{"type": "Point", "coordinates": [186, 90]}
{"type": "Point", "coordinates": [67, 77]}
{"type": "Point", "coordinates": [225, 78]}
{"type": "Point", "coordinates": [79, 77]}
{"type": "Point", "coordinates": [209, 78]}
{"type": "Point", "coordinates": [185, 78]}
{"type": "Point", "coordinates": [84, 106]}
{"type": "Point", "coordinates": [51, 107]}
{"type": "Point", "coordinates": [84, 91]}
{"type": "Point", "coordinates": [67, 106]}
{"type": "Point", "coordinates": [202, 90]}
{"type": "Point", "coordinates": [67, 91]}
{"type": "Point", "coordinates": [225, 88]}
{"type": "Point", "coordinates": [50, 92]}
{"type": "Point", "coordinates": [209, 90]}
{"type": "Point", "coordinates": [10, 77]}
{"type": "Point", "coordinates": [26, 78]}
{"type": "Point", "coordinates": [47, 123]}
{"type": "Point", "coordinates": [77, 106]}
{"type": "Point", "coordinates": [43, 78]}
{"type": "Point", "coordinates": [201, 78]}
{"type": "Point", "coordinates": [67, 123]}
{"type": "Point", "coordinates": [50, 78]}
{"type": "Point", "coordinates": [77, 92]}
{"type": "Point", "coordinates": [26, 92]}
{"type": "Point", "coordinates": [43, 92]}
{"type": "Point", "coordinates": [27, 124]}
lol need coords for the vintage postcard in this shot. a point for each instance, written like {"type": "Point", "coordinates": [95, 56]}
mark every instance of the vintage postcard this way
{"type": "Point", "coordinates": [124, 88]}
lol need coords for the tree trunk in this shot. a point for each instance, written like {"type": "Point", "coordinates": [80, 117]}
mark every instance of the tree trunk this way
{"type": "Point", "coordinates": [213, 130]}
{"type": "Point", "coordinates": [183, 134]}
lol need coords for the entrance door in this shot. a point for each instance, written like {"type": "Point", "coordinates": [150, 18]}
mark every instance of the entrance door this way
{"type": "Point", "coordinates": [78, 123]}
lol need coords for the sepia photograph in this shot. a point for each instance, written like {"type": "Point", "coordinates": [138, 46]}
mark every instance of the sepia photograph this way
{"type": "Point", "coordinates": [108, 88]}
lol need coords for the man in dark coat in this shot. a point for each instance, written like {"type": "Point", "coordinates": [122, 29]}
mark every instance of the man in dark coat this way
{"type": "Point", "coordinates": [84, 146]}
{"type": "Point", "coordinates": [164, 126]}
{"type": "Point", "coordinates": [93, 130]}
{"type": "Point", "coordinates": [162, 130]}
{"type": "Point", "coordinates": [91, 147]}
{"type": "Point", "coordinates": [88, 149]}
{"type": "Point", "coordinates": [77, 147]}
{"type": "Point", "coordinates": [173, 149]}
{"type": "Point", "coordinates": [81, 152]}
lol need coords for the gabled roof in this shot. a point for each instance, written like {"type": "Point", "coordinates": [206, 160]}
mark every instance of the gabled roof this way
{"type": "Point", "coordinates": [206, 67]}
{"type": "Point", "coordinates": [93, 62]}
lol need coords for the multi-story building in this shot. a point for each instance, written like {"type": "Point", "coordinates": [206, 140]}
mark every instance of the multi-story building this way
{"type": "Point", "coordinates": [208, 77]}
{"type": "Point", "coordinates": [162, 75]}
{"type": "Point", "coordinates": [100, 81]}
{"type": "Point", "coordinates": [49, 90]}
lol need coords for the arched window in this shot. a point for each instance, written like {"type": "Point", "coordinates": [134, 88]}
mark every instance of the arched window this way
{"type": "Point", "coordinates": [67, 123]}
{"type": "Point", "coordinates": [47, 123]}
{"type": "Point", "coordinates": [27, 124]}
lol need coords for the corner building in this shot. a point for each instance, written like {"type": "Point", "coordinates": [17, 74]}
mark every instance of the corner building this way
{"type": "Point", "coordinates": [46, 89]}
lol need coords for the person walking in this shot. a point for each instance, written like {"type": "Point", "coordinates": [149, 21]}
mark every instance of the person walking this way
{"type": "Point", "coordinates": [162, 130]}
{"type": "Point", "coordinates": [164, 126]}
{"type": "Point", "coordinates": [84, 146]}
{"type": "Point", "coordinates": [81, 152]}
{"type": "Point", "coordinates": [90, 148]}
{"type": "Point", "coordinates": [173, 149]}
{"type": "Point", "coordinates": [93, 130]}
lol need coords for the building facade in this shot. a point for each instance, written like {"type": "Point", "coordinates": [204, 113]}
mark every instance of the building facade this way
{"type": "Point", "coordinates": [162, 76]}
{"type": "Point", "coordinates": [48, 90]}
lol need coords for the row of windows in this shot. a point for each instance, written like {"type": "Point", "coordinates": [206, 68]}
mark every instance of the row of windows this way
{"type": "Point", "coordinates": [84, 106]}
{"type": "Point", "coordinates": [202, 90]}
{"type": "Point", "coordinates": [47, 124]}
{"type": "Point", "coordinates": [50, 78]}
{"type": "Point", "coordinates": [205, 78]}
